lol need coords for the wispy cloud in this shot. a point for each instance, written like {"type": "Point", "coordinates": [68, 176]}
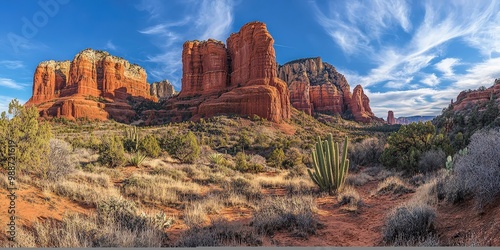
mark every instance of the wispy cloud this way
{"type": "Point", "coordinates": [12, 64]}
{"type": "Point", "coordinates": [430, 80]}
{"type": "Point", "coordinates": [404, 51]}
{"type": "Point", "coordinates": [446, 66]}
{"type": "Point", "coordinates": [110, 45]}
{"type": "Point", "coordinates": [202, 20]}
{"type": "Point", "coordinates": [9, 83]}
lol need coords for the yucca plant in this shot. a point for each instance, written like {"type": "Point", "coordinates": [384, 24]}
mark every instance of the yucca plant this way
{"type": "Point", "coordinates": [330, 168]}
{"type": "Point", "coordinates": [216, 159]}
{"type": "Point", "coordinates": [136, 159]}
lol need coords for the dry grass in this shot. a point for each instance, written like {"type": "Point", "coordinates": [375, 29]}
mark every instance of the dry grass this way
{"type": "Point", "coordinates": [358, 179]}
{"type": "Point", "coordinates": [219, 233]}
{"type": "Point", "coordinates": [295, 214]}
{"type": "Point", "coordinates": [161, 189]}
{"type": "Point", "coordinates": [350, 198]}
{"type": "Point", "coordinates": [94, 179]}
{"type": "Point", "coordinates": [409, 222]}
{"type": "Point", "coordinates": [82, 192]}
{"type": "Point", "coordinates": [427, 193]}
{"type": "Point", "coordinates": [194, 215]}
{"type": "Point", "coordinates": [393, 185]}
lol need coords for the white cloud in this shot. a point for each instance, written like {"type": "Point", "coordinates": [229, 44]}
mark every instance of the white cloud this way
{"type": "Point", "coordinates": [430, 80]}
{"type": "Point", "coordinates": [12, 64]}
{"type": "Point", "coordinates": [211, 19]}
{"type": "Point", "coordinates": [355, 25]}
{"type": "Point", "coordinates": [481, 74]}
{"type": "Point", "coordinates": [110, 45]}
{"type": "Point", "coordinates": [446, 66]}
{"type": "Point", "coordinates": [9, 83]}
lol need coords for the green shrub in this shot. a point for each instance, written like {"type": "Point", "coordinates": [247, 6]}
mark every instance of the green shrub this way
{"type": "Point", "coordinates": [276, 158]}
{"type": "Point", "coordinates": [111, 152]}
{"type": "Point", "coordinates": [150, 146]}
{"type": "Point", "coordinates": [293, 158]}
{"type": "Point", "coordinates": [30, 136]}
{"type": "Point", "coordinates": [407, 145]}
{"type": "Point", "coordinates": [184, 147]}
{"type": "Point", "coordinates": [243, 164]}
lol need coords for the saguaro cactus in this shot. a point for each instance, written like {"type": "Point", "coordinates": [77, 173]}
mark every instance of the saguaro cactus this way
{"type": "Point", "coordinates": [330, 168]}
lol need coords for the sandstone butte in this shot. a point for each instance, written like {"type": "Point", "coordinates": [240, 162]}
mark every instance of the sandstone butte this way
{"type": "Point", "coordinates": [316, 87]}
{"type": "Point", "coordinates": [238, 79]}
{"type": "Point", "coordinates": [390, 118]}
{"type": "Point", "coordinates": [466, 98]}
{"type": "Point", "coordinates": [95, 85]}
{"type": "Point", "coordinates": [162, 90]}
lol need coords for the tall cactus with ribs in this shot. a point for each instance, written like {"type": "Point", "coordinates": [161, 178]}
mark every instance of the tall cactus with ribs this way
{"type": "Point", "coordinates": [330, 168]}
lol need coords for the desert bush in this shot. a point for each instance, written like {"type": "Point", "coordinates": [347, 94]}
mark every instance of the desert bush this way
{"type": "Point", "coordinates": [366, 152]}
{"type": "Point", "coordinates": [276, 158]}
{"type": "Point", "coordinates": [295, 214]}
{"type": "Point", "coordinates": [406, 146]}
{"type": "Point", "coordinates": [188, 149]}
{"type": "Point", "coordinates": [393, 185]}
{"type": "Point", "coordinates": [30, 136]}
{"type": "Point", "coordinates": [150, 146]}
{"type": "Point", "coordinates": [243, 164]}
{"type": "Point", "coordinates": [358, 179]}
{"type": "Point", "coordinates": [219, 233]}
{"type": "Point", "coordinates": [431, 161]}
{"type": "Point", "coordinates": [409, 222]}
{"type": "Point", "coordinates": [293, 157]}
{"type": "Point", "coordinates": [481, 163]}
{"type": "Point", "coordinates": [111, 152]}
{"type": "Point", "coordinates": [60, 163]}
{"type": "Point", "coordinates": [241, 186]}
{"type": "Point", "coordinates": [173, 173]}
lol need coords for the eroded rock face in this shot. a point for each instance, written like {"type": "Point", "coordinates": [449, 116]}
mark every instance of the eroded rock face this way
{"type": "Point", "coordinates": [162, 90]}
{"type": "Point", "coordinates": [92, 86]}
{"type": "Point", "coordinates": [390, 118]}
{"type": "Point", "coordinates": [466, 98]}
{"type": "Point", "coordinates": [316, 86]}
{"type": "Point", "coordinates": [241, 79]}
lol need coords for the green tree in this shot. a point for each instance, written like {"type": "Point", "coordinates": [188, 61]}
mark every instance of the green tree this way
{"type": "Point", "coordinates": [31, 137]}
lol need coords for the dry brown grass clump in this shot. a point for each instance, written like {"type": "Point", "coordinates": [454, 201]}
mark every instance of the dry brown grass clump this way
{"type": "Point", "coordinates": [219, 233]}
{"type": "Point", "coordinates": [161, 189]}
{"type": "Point", "coordinates": [409, 222]}
{"type": "Point", "coordinates": [94, 179]}
{"type": "Point", "coordinates": [358, 179]}
{"type": "Point", "coordinates": [84, 193]}
{"type": "Point", "coordinates": [393, 185]}
{"type": "Point", "coordinates": [294, 214]}
{"type": "Point", "coordinates": [350, 198]}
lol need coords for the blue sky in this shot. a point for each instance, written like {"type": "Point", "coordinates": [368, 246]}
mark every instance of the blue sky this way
{"type": "Point", "coordinates": [411, 57]}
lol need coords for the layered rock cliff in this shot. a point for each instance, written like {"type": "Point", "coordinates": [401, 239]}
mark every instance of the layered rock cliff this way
{"type": "Point", "coordinates": [238, 79]}
{"type": "Point", "coordinates": [471, 97]}
{"type": "Point", "coordinates": [316, 86]}
{"type": "Point", "coordinates": [162, 90]}
{"type": "Point", "coordinates": [93, 85]}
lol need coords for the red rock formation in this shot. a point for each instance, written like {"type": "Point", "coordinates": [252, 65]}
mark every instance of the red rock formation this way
{"type": "Point", "coordinates": [316, 86]}
{"type": "Point", "coordinates": [466, 98]}
{"type": "Point", "coordinates": [93, 85]}
{"type": "Point", "coordinates": [390, 118]}
{"type": "Point", "coordinates": [253, 87]}
{"type": "Point", "coordinates": [360, 106]}
{"type": "Point", "coordinates": [204, 68]}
